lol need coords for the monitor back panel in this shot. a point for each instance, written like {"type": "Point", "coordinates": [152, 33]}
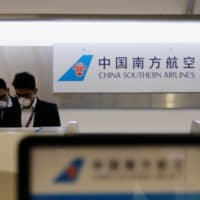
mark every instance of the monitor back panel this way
{"type": "Point", "coordinates": [110, 167]}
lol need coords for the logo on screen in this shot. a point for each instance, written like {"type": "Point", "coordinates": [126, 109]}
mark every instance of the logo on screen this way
{"type": "Point", "coordinates": [78, 70]}
{"type": "Point", "coordinates": [71, 172]}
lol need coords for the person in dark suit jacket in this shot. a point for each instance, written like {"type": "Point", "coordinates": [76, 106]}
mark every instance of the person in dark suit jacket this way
{"type": "Point", "coordinates": [33, 111]}
{"type": "Point", "coordinates": [46, 114]}
{"type": "Point", "coordinates": [9, 110]}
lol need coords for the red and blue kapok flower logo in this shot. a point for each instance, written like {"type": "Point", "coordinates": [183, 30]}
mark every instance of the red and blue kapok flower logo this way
{"type": "Point", "coordinates": [71, 172]}
{"type": "Point", "coordinates": [78, 70]}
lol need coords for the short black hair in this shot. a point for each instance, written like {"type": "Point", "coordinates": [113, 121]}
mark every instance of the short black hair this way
{"type": "Point", "coordinates": [24, 80]}
{"type": "Point", "coordinates": [3, 84]}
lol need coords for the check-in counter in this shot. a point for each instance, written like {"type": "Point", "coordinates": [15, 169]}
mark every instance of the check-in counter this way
{"type": "Point", "coordinates": [8, 162]}
{"type": "Point", "coordinates": [9, 140]}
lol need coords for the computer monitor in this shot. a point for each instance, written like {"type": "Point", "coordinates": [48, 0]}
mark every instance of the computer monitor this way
{"type": "Point", "coordinates": [108, 166]}
{"type": "Point", "coordinates": [195, 126]}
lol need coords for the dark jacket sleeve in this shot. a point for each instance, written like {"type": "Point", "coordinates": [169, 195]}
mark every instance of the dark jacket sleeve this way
{"type": "Point", "coordinates": [12, 115]}
{"type": "Point", "coordinates": [46, 114]}
{"type": "Point", "coordinates": [55, 116]}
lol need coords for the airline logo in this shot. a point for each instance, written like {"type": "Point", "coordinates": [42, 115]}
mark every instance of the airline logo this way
{"type": "Point", "coordinates": [71, 172]}
{"type": "Point", "coordinates": [78, 70]}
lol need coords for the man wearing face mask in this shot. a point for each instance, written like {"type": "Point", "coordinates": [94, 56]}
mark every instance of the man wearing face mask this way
{"type": "Point", "coordinates": [9, 110]}
{"type": "Point", "coordinates": [34, 112]}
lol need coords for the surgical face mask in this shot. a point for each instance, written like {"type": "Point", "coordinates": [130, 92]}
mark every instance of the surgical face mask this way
{"type": "Point", "coordinates": [3, 104]}
{"type": "Point", "coordinates": [24, 102]}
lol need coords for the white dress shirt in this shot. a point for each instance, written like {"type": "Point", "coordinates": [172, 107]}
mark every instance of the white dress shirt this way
{"type": "Point", "coordinates": [26, 114]}
{"type": "Point", "coordinates": [9, 105]}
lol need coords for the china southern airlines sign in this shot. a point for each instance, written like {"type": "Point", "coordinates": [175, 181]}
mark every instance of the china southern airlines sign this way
{"type": "Point", "coordinates": [126, 68]}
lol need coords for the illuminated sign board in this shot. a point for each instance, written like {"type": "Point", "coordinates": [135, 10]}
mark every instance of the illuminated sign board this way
{"type": "Point", "coordinates": [126, 67]}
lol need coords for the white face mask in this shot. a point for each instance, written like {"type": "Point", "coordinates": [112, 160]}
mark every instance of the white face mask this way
{"type": "Point", "coordinates": [3, 104]}
{"type": "Point", "coordinates": [24, 102]}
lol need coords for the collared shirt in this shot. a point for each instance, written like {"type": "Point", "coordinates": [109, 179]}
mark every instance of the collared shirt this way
{"type": "Point", "coordinates": [10, 103]}
{"type": "Point", "coordinates": [26, 114]}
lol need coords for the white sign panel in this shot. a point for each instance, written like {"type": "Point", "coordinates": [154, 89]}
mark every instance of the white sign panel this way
{"type": "Point", "coordinates": [125, 68]}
